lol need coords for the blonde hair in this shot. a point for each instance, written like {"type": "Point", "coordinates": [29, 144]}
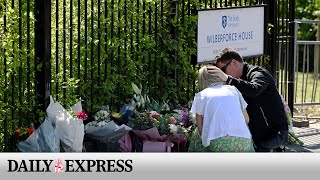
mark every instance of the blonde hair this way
{"type": "Point", "coordinates": [206, 80]}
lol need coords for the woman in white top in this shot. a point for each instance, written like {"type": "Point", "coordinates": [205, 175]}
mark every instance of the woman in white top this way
{"type": "Point", "coordinates": [221, 117]}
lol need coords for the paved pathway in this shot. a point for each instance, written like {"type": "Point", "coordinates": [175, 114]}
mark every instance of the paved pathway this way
{"type": "Point", "coordinates": [310, 136]}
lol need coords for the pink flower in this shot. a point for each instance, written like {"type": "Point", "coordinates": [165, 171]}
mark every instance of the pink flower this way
{"type": "Point", "coordinates": [81, 115]}
{"type": "Point", "coordinates": [156, 115]}
{"type": "Point", "coordinates": [172, 120]}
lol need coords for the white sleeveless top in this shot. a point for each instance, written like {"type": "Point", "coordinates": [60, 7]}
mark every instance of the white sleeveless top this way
{"type": "Point", "coordinates": [221, 107]}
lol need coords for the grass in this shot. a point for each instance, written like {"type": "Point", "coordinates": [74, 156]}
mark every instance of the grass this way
{"type": "Point", "coordinates": [304, 92]}
{"type": "Point", "coordinates": [306, 89]}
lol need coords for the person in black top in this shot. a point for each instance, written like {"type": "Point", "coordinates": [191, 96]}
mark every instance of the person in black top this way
{"type": "Point", "coordinates": [268, 121]}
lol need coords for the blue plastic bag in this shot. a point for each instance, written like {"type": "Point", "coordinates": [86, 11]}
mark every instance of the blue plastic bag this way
{"type": "Point", "coordinates": [42, 139]}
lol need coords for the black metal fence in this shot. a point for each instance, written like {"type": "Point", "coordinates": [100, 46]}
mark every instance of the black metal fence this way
{"type": "Point", "coordinates": [108, 44]}
{"type": "Point", "coordinates": [100, 47]}
{"type": "Point", "coordinates": [18, 104]}
{"type": "Point", "coordinates": [94, 49]}
{"type": "Point", "coordinates": [283, 64]}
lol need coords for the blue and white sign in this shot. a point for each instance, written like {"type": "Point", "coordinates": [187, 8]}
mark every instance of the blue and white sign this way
{"type": "Point", "coordinates": [239, 28]}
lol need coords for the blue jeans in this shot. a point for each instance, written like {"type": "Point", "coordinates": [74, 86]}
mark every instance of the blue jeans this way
{"type": "Point", "coordinates": [275, 141]}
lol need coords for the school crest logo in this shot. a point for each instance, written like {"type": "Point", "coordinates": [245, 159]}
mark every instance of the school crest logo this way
{"type": "Point", "coordinates": [224, 21]}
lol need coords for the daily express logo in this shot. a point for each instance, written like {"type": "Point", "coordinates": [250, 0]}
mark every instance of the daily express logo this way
{"type": "Point", "coordinates": [70, 165]}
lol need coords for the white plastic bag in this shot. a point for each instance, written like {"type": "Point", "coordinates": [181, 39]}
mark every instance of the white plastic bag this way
{"type": "Point", "coordinates": [69, 129]}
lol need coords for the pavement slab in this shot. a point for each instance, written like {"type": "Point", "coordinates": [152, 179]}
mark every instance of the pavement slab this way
{"type": "Point", "coordinates": [310, 136]}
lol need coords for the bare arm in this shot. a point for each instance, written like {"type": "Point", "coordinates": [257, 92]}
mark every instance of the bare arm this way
{"type": "Point", "coordinates": [246, 116]}
{"type": "Point", "coordinates": [199, 120]}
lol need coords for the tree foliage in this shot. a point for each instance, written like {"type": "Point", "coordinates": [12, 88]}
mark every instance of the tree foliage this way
{"type": "Point", "coordinates": [305, 9]}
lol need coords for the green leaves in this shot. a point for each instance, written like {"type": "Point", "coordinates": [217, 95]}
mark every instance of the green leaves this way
{"type": "Point", "coordinates": [141, 99]}
{"type": "Point", "coordinates": [305, 10]}
{"type": "Point", "coordinates": [136, 89]}
{"type": "Point", "coordinates": [269, 28]}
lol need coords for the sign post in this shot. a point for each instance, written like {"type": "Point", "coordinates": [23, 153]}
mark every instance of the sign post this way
{"type": "Point", "coordinates": [241, 28]}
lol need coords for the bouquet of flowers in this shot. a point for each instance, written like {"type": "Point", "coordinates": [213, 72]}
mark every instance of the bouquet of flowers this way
{"type": "Point", "coordinates": [22, 134]}
{"type": "Point", "coordinates": [68, 125]}
{"type": "Point", "coordinates": [293, 138]}
{"type": "Point", "coordinates": [108, 138]}
{"type": "Point", "coordinates": [101, 118]}
{"type": "Point", "coordinates": [43, 139]}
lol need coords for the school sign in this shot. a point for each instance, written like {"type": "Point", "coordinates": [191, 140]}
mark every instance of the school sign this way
{"type": "Point", "coordinates": [242, 29]}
